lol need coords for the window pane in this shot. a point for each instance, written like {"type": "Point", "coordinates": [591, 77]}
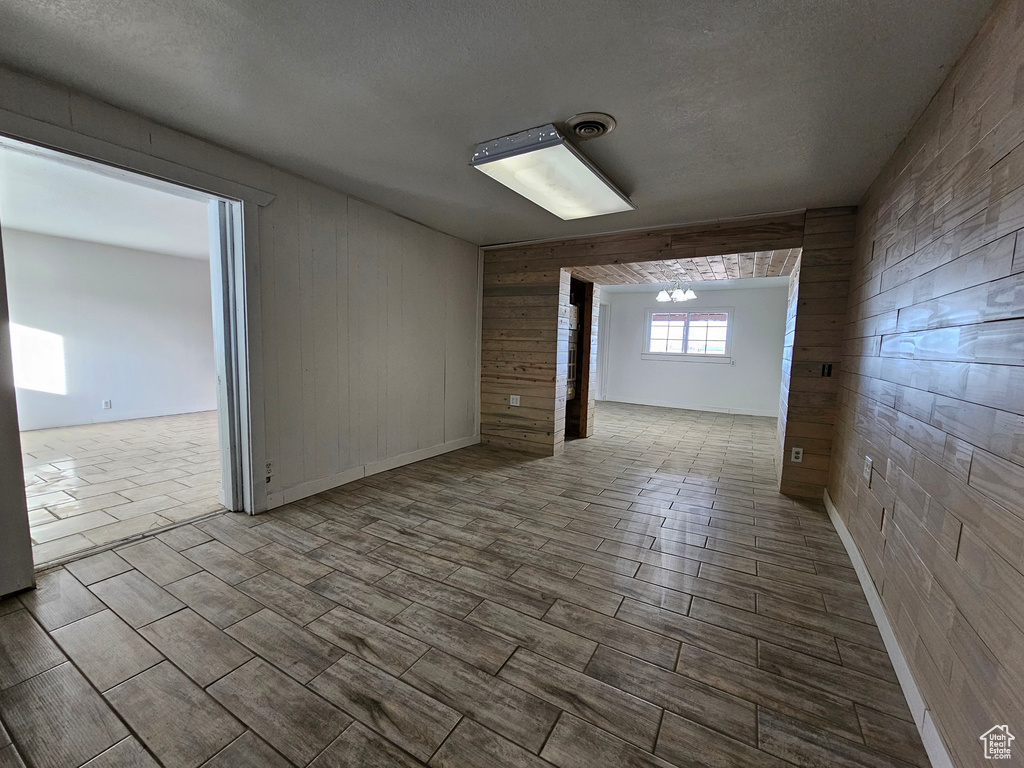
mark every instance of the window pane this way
{"type": "Point", "coordinates": [657, 345]}
{"type": "Point", "coordinates": [716, 348]}
{"type": "Point", "coordinates": [675, 346]}
{"type": "Point", "coordinates": [676, 331]}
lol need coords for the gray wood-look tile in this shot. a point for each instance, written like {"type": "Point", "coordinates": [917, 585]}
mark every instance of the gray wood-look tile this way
{"type": "Point", "coordinates": [546, 639]}
{"type": "Point", "coordinates": [424, 564]}
{"type": "Point", "coordinates": [370, 640]}
{"type": "Point", "coordinates": [516, 714]}
{"type": "Point", "coordinates": [516, 596]}
{"type": "Point", "coordinates": [629, 638]}
{"type": "Point", "coordinates": [184, 537]}
{"type": "Point", "coordinates": [755, 625]}
{"type": "Point", "coordinates": [629, 717]}
{"type": "Point", "coordinates": [214, 600]}
{"type": "Point", "coordinates": [681, 740]}
{"type": "Point", "coordinates": [688, 630]}
{"type": "Point", "coordinates": [291, 536]}
{"type": "Point", "coordinates": [289, 717]}
{"type": "Point", "coordinates": [576, 743]}
{"type": "Point", "coordinates": [223, 562]}
{"type": "Point", "coordinates": [441, 597]}
{"type": "Point", "coordinates": [347, 536]}
{"type": "Point", "coordinates": [301, 654]}
{"type": "Point", "coordinates": [135, 598]}
{"type": "Point", "coordinates": [106, 649]}
{"type": "Point", "coordinates": [369, 600]}
{"type": "Point", "coordinates": [56, 719]}
{"type": "Point", "coordinates": [676, 693]}
{"type": "Point", "coordinates": [856, 686]}
{"type": "Point", "coordinates": [247, 751]}
{"type": "Point", "coordinates": [58, 599]}
{"type": "Point", "coordinates": [821, 708]}
{"type": "Point", "coordinates": [414, 721]}
{"type": "Point", "coordinates": [234, 535]}
{"type": "Point", "coordinates": [89, 570]}
{"type": "Point", "coordinates": [286, 597]}
{"type": "Point", "coordinates": [179, 721]}
{"type": "Point", "coordinates": [359, 746]}
{"type": "Point", "coordinates": [471, 745]}
{"type": "Point", "coordinates": [797, 742]}
{"type": "Point", "coordinates": [197, 648]}
{"type": "Point", "coordinates": [479, 648]}
{"type": "Point", "coordinates": [157, 561]}
{"type": "Point", "coordinates": [127, 753]}
{"type": "Point", "coordinates": [289, 563]}
{"type": "Point", "coordinates": [350, 563]}
{"type": "Point", "coordinates": [9, 757]}
{"type": "Point", "coordinates": [715, 601]}
{"type": "Point", "coordinates": [25, 649]}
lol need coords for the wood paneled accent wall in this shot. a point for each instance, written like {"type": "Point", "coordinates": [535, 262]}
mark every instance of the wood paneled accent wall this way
{"type": "Point", "coordinates": [814, 339]}
{"type": "Point", "coordinates": [523, 308]}
{"type": "Point", "coordinates": [933, 392]}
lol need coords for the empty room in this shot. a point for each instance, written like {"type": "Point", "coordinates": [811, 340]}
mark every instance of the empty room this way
{"type": "Point", "coordinates": [479, 384]}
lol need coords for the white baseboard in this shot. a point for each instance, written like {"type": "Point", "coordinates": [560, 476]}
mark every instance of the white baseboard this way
{"type": "Point", "coordinates": [933, 744]}
{"type": "Point", "coordinates": [322, 484]}
{"type": "Point", "coordinates": [774, 412]}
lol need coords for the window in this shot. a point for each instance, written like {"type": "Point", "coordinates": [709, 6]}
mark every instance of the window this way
{"type": "Point", "coordinates": [702, 334]}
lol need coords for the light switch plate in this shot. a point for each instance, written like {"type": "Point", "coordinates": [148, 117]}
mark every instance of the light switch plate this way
{"type": "Point", "coordinates": [867, 469]}
{"type": "Point", "coordinates": [513, 399]}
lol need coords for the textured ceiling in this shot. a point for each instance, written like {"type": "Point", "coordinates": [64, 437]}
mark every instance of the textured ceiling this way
{"type": "Point", "coordinates": [731, 267]}
{"type": "Point", "coordinates": [723, 108]}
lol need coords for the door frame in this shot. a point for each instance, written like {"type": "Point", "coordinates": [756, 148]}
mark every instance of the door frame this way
{"type": "Point", "coordinates": [240, 318]}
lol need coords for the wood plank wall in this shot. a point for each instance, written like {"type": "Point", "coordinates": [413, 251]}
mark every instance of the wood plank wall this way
{"type": "Point", "coordinates": [933, 391]}
{"type": "Point", "coordinates": [818, 316]}
{"type": "Point", "coordinates": [524, 349]}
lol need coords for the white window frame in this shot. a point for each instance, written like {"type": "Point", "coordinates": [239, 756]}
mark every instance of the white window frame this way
{"type": "Point", "coordinates": [685, 357]}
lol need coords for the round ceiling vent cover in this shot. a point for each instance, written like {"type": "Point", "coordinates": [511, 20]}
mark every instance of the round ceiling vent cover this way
{"type": "Point", "coordinates": [590, 125]}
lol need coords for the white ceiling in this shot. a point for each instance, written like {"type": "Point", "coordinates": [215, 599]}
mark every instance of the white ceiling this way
{"type": "Point", "coordinates": [71, 198]}
{"type": "Point", "coordinates": [731, 284]}
{"type": "Point", "coordinates": [724, 108]}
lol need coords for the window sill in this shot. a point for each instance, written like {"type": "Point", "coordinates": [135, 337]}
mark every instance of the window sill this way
{"type": "Point", "coordinates": [714, 359]}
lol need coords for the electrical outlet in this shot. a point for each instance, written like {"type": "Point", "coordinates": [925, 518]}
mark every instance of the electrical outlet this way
{"type": "Point", "coordinates": [867, 469]}
{"type": "Point", "coordinates": [513, 399]}
{"type": "Point", "coordinates": [796, 455]}
{"type": "Point", "coordinates": [107, 405]}
{"type": "Point", "coordinates": [270, 468]}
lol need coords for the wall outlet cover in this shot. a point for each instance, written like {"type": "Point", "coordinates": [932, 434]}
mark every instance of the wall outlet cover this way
{"type": "Point", "coordinates": [796, 455]}
{"type": "Point", "coordinates": [513, 399]}
{"type": "Point", "coordinates": [107, 405]}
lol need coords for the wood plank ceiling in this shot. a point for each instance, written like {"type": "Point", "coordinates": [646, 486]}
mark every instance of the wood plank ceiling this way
{"type": "Point", "coordinates": [732, 266]}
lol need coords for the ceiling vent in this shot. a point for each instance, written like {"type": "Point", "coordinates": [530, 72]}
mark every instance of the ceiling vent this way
{"type": "Point", "coordinates": [590, 125]}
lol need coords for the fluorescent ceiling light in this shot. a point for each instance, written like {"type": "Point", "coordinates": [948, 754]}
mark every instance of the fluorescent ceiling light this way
{"type": "Point", "coordinates": [546, 169]}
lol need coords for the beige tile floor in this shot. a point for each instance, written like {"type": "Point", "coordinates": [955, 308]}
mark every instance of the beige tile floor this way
{"type": "Point", "coordinates": [645, 600]}
{"type": "Point", "coordinates": [96, 483]}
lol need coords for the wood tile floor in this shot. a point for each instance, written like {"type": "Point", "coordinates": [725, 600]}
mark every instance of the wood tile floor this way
{"type": "Point", "coordinates": [645, 599]}
{"type": "Point", "coordinates": [97, 483]}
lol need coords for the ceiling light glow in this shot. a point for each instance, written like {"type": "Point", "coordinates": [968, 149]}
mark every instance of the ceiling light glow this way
{"type": "Point", "coordinates": [543, 167]}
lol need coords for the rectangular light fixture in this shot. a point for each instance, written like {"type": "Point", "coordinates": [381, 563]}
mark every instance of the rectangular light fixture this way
{"type": "Point", "coordinates": [546, 169]}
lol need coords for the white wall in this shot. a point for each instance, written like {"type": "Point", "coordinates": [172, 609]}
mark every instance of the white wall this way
{"type": "Point", "coordinates": [137, 329]}
{"type": "Point", "coordinates": [750, 385]}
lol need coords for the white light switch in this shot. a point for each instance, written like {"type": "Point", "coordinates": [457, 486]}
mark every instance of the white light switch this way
{"type": "Point", "coordinates": [107, 405]}
{"type": "Point", "coordinates": [867, 469]}
{"type": "Point", "coordinates": [513, 399]}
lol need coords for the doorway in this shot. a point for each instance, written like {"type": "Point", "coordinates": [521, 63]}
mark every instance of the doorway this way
{"type": "Point", "coordinates": [125, 349]}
